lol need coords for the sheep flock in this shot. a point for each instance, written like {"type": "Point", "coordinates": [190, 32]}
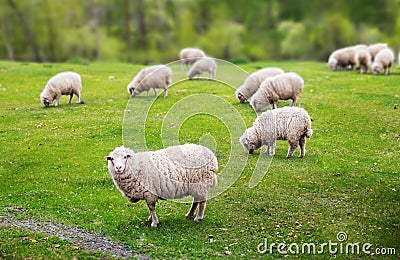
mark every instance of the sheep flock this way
{"type": "Point", "coordinates": [191, 170]}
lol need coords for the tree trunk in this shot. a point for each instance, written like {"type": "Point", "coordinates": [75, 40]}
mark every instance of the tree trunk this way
{"type": "Point", "coordinates": [127, 29]}
{"type": "Point", "coordinates": [27, 30]}
{"type": "Point", "coordinates": [94, 24]}
{"type": "Point", "coordinates": [50, 30]}
{"type": "Point", "coordinates": [142, 33]}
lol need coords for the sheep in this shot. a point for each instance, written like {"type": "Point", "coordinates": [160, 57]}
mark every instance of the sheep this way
{"type": "Point", "coordinates": [202, 65]}
{"type": "Point", "coordinates": [374, 49]}
{"type": "Point", "coordinates": [362, 57]}
{"type": "Point", "coordinates": [157, 76]}
{"type": "Point", "coordinates": [383, 60]}
{"type": "Point", "coordinates": [284, 86]}
{"type": "Point", "coordinates": [342, 58]}
{"type": "Point", "coordinates": [253, 82]}
{"type": "Point", "coordinates": [288, 123]}
{"type": "Point", "coordinates": [64, 83]}
{"type": "Point", "coordinates": [171, 173]}
{"type": "Point", "coordinates": [188, 56]}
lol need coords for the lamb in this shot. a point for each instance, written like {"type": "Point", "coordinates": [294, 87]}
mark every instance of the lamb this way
{"type": "Point", "coordinates": [341, 58]}
{"type": "Point", "coordinates": [188, 56]}
{"type": "Point", "coordinates": [374, 49]}
{"type": "Point", "coordinates": [383, 60]}
{"type": "Point", "coordinates": [202, 65]}
{"type": "Point", "coordinates": [171, 173]}
{"type": "Point", "coordinates": [157, 76]}
{"type": "Point", "coordinates": [288, 123]}
{"type": "Point", "coordinates": [284, 86]}
{"type": "Point", "coordinates": [362, 57]}
{"type": "Point", "coordinates": [253, 82]}
{"type": "Point", "coordinates": [64, 83]}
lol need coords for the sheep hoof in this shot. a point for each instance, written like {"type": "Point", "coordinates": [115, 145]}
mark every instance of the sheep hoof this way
{"type": "Point", "coordinates": [154, 224]}
{"type": "Point", "coordinates": [197, 219]}
{"type": "Point", "coordinates": [81, 102]}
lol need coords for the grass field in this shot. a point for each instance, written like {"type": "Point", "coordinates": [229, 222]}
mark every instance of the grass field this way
{"type": "Point", "coordinates": [52, 166]}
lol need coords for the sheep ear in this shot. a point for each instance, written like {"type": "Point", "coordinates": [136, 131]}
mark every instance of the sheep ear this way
{"type": "Point", "coordinates": [108, 158]}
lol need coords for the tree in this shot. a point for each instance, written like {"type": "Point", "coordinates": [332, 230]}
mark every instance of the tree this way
{"type": "Point", "coordinates": [27, 30]}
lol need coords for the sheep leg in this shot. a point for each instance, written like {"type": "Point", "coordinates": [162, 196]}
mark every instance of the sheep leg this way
{"type": "Point", "coordinates": [200, 213]}
{"type": "Point", "coordinates": [302, 146]}
{"type": "Point", "coordinates": [153, 216]}
{"type": "Point", "coordinates": [147, 93]}
{"type": "Point", "coordinates": [165, 92]}
{"type": "Point", "coordinates": [155, 92]}
{"type": "Point", "coordinates": [293, 102]}
{"type": "Point", "coordinates": [70, 98]}
{"type": "Point", "coordinates": [79, 98]}
{"type": "Point", "coordinates": [292, 148]}
{"type": "Point", "coordinates": [57, 102]}
{"type": "Point", "coordinates": [274, 105]}
{"type": "Point", "coordinates": [192, 209]}
{"type": "Point", "coordinates": [270, 150]}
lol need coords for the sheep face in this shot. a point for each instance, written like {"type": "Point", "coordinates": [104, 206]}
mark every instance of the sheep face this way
{"type": "Point", "coordinates": [241, 98]}
{"type": "Point", "coordinates": [46, 101]}
{"type": "Point", "coordinates": [333, 64]}
{"type": "Point", "coordinates": [376, 69]}
{"type": "Point", "coordinates": [258, 105]}
{"type": "Point", "coordinates": [249, 142]}
{"type": "Point", "coordinates": [118, 160]}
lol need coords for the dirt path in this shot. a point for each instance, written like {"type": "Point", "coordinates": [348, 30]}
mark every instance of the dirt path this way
{"type": "Point", "coordinates": [85, 240]}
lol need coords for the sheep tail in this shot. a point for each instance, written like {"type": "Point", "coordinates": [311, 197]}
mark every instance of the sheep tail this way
{"type": "Point", "coordinates": [309, 133]}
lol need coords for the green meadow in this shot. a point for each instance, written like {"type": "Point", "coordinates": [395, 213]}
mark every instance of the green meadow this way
{"type": "Point", "coordinates": [52, 165]}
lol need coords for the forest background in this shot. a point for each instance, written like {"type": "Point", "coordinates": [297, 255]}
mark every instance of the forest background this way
{"type": "Point", "coordinates": [153, 31]}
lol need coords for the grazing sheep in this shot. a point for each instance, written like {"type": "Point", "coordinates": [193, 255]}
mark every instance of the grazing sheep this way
{"type": "Point", "coordinates": [288, 123]}
{"type": "Point", "coordinates": [157, 76]}
{"type": "Point", "coordinates": [383, 60]}
{"type": "Point", "coordinates": [171, 173]}
{"type": "Point", "coordinates": [202, 65]}
{"type": "Point", "coordinates": [188, 56]}
{"type": "Point", "coordinates": [253, 82]}
{"type": "Point", "coordinates": [64, 83]}
{"type": "Point", "coordinates": [342, 58]}
{"type": "Point", "coordinates": [374, 49]}
{"type": "Point", "coordinates": [284, 86]}
{"type": "Point", "coordinates": [362, 57]}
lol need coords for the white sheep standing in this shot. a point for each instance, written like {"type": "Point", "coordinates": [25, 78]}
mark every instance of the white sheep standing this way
{"type": "Point", "coordinates": [280, 87]}
{"type": "Point", "coordinates": [383, 61]}
{"type": "Point", "coordinates": [202, 65]}
{"type": "Point", "coordinates": [375, 48]}
{"type": "Point", "coordinates": [342, 58]}
{"type": "Point", "coordinates": [188, 56]}
{"type": "Point", "coordinates": [362, 57]}
{"type": "Point", "coordinates": [64, 83]}
{"type": "Point", "coordinates": [288, 123]}
{"type": "Point", "coordinates": [253, 82]}
{"type": "Point", "coordinates": [171, 173]}
{"type": "Point", "coordinates": [157, 76]}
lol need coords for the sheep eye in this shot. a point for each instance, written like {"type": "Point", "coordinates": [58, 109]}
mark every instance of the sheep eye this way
{"type": "Point", "coordinates": [125, 157]}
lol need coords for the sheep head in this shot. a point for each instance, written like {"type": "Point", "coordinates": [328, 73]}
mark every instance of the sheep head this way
{"type": "Point", "coordinates": [250, 141]}
{"type": "Point", "coordinates": [117, 158]}
{"type": "Point", "coordinates": [241, 97]}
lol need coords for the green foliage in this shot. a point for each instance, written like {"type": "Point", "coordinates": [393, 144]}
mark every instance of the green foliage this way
{"type": "Point", "coordinates": [152, 31]}
{"type": "Point", "coordinates": [52, 167]}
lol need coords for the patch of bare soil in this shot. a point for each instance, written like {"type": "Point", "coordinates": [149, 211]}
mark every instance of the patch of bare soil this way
{"type": "Point", "coordinates": [85, 240]}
